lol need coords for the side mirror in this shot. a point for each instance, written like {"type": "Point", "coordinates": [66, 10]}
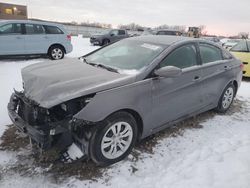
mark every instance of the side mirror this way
{"type": "Point", "coordinates": [168, 72]}
{"type": "Point", "coordinates": [112, 34]}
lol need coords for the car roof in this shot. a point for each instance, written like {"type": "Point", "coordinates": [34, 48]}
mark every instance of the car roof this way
{"type": "Point", "coordinates": [209, 37]}
{"type": "Point", "coordinates": [30, 21]}
{"type": "Point", "coordinates": [168, 40]}
{"type": "Point", "coordinates": [162, 39]}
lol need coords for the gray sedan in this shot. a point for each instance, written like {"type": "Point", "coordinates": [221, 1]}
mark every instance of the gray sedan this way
{"type": "Point", "coordinates": [107, 100]}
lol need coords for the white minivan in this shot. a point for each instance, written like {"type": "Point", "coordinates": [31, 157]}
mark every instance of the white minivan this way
{"type": "Point", "coordinates": [26, 37]}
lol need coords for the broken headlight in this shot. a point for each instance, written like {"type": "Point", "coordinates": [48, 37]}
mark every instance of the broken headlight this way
{"type": "Point", "coordinates": [70, 108]}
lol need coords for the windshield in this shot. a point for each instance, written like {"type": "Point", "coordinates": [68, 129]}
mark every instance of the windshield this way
{"type": "Point", "coordinates": [126, 55]}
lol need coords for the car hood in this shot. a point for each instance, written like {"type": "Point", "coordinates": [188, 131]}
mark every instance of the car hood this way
{"type": "Point", "coordinates": [51, 83]}
{"type": "Point", "coordinates": [96, 36]}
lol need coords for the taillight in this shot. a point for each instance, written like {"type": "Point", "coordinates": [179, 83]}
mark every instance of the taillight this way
{"type": "Point", "coordinates": [69, 37]}
{"type": "Point", "coordinates": [241, 66]}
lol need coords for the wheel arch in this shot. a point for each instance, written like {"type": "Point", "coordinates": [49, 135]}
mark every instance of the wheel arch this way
{"type": "Point", "coordinates": [236, 85]}
{"type": "Point", "coordinates": [234, 82]}
{"type": "Point", "coordinates": [137, 117]}
{"type": "Point", "coordinates": [56, 44]}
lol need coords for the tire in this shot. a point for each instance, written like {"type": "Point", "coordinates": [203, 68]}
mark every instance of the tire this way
{"type": "Point", "coordinates": [105, 147]}
{"type": "Point", "coordinates": [56, 52]}
{"type": "Point", "coordinates": [105, 42]}
{"type": "Point", "coordinates": [226, 98]}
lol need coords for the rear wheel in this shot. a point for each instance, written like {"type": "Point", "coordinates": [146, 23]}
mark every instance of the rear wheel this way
{"type": "Point", "coordinates": [226, 98]}
{"type": "Point", "coordinates": [114, 140]}
{"type": "Point", "coordinates": [56, 52]}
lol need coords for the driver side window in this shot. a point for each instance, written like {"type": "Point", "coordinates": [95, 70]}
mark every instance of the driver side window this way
{"type": "Point", "coordinates": [11, 29]}
{"type": "Point", "coordinates": [114, 32]}
{"type": "Point", "coordinates": [182, 57]}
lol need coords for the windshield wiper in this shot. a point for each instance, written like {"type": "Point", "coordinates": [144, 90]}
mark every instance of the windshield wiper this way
{"type": "Point", "coordinates": [101, 66]}
{"type": "Point", "coordinates": [107, 68]}
{"type": "Point", "coordinates": [84, 60]}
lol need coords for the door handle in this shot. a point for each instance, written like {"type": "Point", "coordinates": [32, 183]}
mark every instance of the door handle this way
{"type": "Point", "coordinates": [46, 37]}
{"type": "Point", "coordinates": [226, 67]}
{"type": "Point", "coordinates": [196, 78]}
{"type": "Point", "coordinates": [18, 37]}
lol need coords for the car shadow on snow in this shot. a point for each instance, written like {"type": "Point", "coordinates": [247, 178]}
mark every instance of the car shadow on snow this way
{"type": "Point", "coordinates": [30, 162]}
{"type": "Point", "coordinates": [21, 58]}
{"type": "Point", "coordinates": [246, 79]}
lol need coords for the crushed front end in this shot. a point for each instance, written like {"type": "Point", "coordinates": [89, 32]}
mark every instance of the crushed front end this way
{"type": "Point", "coordinates": [47, 128]}
{"type": "Point", "coordinates": [40, 124]}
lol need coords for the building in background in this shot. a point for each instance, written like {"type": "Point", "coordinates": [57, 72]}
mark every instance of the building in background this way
{"type": "Point", "coordinates": [12, 11]}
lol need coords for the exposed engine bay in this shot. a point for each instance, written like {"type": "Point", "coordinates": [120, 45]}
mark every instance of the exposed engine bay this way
{"type": "Point", "coordinates": [53, 127]}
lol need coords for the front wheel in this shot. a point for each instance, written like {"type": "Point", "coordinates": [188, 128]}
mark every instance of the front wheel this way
{"type": "Point", "coordinates": [114, 140]}
{"type": "Point", "coordinates": [56, 52]}
{"type": "Point", "coordinates": [226, 98]}
{"type": "Point", "coordinates": [105, 42]}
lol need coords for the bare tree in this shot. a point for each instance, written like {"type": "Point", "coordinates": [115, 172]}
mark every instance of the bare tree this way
{"type": "Point", "coordinates": [165, 26]}
{"type": "Point", "coordinates": [131, 26]}
{"type": "Point", "coordinates": [243, 35]}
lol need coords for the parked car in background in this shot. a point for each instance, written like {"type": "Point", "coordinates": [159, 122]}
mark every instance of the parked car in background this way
{"type": "Point", "coordinates": [168, 32]}
{"type": "Point", "coordinates": [108, 37]}
{"type": "Point", "coordinates": [148, 32]}
{"type": "Point", "coordinates": [25, 37]}
{"type": "Point", "coordinates": [213, 39]}
{"type": "Point", "coordinates": [228, 44]}
{"type": "Point", "coordinates": [109, 99]}
{"type": "Point", "coordinates": [242, 51]}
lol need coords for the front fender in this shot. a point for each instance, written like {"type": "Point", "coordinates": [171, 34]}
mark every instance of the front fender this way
{"type": "Point", "coordinates": [136, 96]}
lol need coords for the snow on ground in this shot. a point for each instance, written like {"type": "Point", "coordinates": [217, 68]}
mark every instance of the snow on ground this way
{"type": "Point", "coordinates": [217, 155]}
{"type": "Point", "coordinates": [10, 78]}
{"type": "Point", "coordinates": [81, 47]}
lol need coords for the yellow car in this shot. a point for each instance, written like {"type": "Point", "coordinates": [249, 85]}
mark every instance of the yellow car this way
{"type": "Point", "coordinates": [242, 52]}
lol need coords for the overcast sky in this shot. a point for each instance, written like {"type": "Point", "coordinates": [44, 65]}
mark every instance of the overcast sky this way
{"type": "Point", "coordinates": [226, 17]}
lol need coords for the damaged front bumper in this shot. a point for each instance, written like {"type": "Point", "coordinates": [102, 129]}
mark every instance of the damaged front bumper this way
{"type": "Point", "coordinates": [68, 135]}
{"type": "Point", "coordinates": [46, 135]}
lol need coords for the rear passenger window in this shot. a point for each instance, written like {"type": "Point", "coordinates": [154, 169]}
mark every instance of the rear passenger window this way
{"type": "Point", "coordinates": [170, 33]}
{"type": "Point", "coordinates": [52, 30]}
{"type": "Point", "coordinates": [182, 57]}
{"type": "Point", "coordinates": [11, 29]}
{"type": "Point", "coordinates": [210, 53]}
{"type": "Point", "coordinates": [226, 54]}
{"type": "Point", "coordinates": [121, 32]}
{"type": "Point", "coordinates": [32, 29]}
{"type": "Point", "coordinates": [161, 33]}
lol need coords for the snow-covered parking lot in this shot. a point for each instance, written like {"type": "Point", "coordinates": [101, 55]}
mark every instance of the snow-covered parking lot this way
{"type": "Point", "coordinates": [208, 151]}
